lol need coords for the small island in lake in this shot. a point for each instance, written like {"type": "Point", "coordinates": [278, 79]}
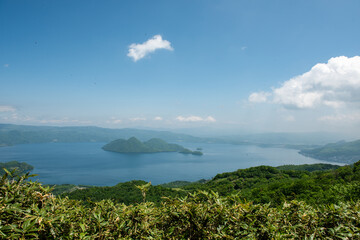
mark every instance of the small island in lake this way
{"type": "Point", "coordinates": [154, 145]}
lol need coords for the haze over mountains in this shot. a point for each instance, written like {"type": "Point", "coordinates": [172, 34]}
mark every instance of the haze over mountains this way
{"type": "Point", "coordinates": [21, 134]}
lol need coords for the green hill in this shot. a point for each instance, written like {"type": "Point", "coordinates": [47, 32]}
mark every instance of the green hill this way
{"type": "Point", "coordinates": [29, 211]}
{"type": "Point", "coordinates": [347, 152]}
{"type": "Point", "coordinates": [154, 145]}
{"type": "Point", "coordinates": [19, 167]}
{"type": "Point", "coordinates": [319, 184]}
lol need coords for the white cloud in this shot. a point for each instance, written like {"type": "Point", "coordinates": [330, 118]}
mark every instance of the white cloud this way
{"type": "Point", "coordinates": [158, 118]}
{"type": "Point", "coordinates": [114, 120]}
{"type": "Point", "coordinates": [138, 51]}
{"type": "Point", "coordinates": [136, 119]}
{"type": "Point", "coordinates": [5, 108]}
{"type": "Point", "coordinates": [195, 119]}
{"type": "Point", "coordinates": [259, 97]}
{"type": "Point", "coordinates": [335, 83]}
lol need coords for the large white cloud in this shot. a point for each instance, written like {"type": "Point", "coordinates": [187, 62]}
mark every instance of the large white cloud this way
{"type": "Point", "coordinates": [5, 108]}
{"type": "Point", "coordinates": [195, 119]}
{"type": "Point", "coordinates": [335, 83]}
{"type": "Point", "coordinates": [139, 51]}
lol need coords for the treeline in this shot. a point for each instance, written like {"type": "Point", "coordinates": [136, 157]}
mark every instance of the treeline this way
{"type": "Point", "coordinates": [29, 211]}
{"type": "Point", "coordinates": [265, 184]}
{"type": "Point", "coordinates": [316, 184]}
{"type": "Point", "coordinates": [126, 193]}
{"type": "Point", "coordinates": [19, 167]}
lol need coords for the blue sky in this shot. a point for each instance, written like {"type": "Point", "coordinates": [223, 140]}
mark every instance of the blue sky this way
{"type": "Point", "coordinates": [244, 65]}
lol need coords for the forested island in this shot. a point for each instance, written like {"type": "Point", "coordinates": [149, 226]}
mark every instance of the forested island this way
{"type": "Point", "coordinates": [154, 145]}
{"type": "Point", "coordinates": [346, 152]}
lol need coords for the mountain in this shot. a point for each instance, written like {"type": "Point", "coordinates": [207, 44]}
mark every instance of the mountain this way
{"type": "Point", "coordinates": [21, 134]}
{"type": "Point", "coordinates": [154, 145]}
{"type": "Point", "coordinates": [347, 152]}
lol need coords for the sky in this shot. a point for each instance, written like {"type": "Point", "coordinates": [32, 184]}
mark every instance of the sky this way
{"type": "Point", "coordinates": [262, 66]}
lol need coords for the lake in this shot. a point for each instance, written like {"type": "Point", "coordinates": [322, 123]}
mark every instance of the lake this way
{"type": "Point", "coordinates": [88, 164]}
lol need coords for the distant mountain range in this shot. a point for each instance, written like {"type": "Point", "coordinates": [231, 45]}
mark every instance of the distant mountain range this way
{"type": "Point", "coordinates": [21, 134]}
{"type": "Point", "coordinates": [310, 144]}
{"type": "Point", "coordinates": [11, 134]}
{"type": "Point", "coordinates": [154, 145]}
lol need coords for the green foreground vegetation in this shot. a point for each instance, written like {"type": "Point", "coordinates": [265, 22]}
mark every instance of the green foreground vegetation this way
{"type": "Point", "coordinates": [317, 201]}
{"type": "Point", "coordinates": [28, 210]}
{"type": "Point", "coordinates": [316, 184]}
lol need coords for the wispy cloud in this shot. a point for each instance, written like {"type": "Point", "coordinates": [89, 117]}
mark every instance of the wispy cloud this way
{"type": "Point", "coordinates": [335, 83]}
{"type": "Point", "coordinates": [138, 51]}
{"type": "Point", "coordinates": [6, 65]}
{"type": "Point", "coordinates": [158, 118]}
{"type": "Point", "coordinates": [7, 108]}
{"type": "Point", "coordinates": [341, 118]}
{"type": "Point", "coordinates": [136, 119]}
{"type": "Point", "coordinates": [195, 119]}
{"type": "Point", "coordinates": [62, 121]}
{"type": "Point", "coordinates": [114, 120]}
{"type": "Point", "coordinates": [259, 97]}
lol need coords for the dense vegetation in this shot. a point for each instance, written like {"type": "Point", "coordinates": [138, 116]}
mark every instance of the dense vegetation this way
{"type": "Point", "coordinates": [19, 167]}
{"type": "Point", "coordinates": [29, 211]}
{"type": "Point", "coordinates": [126, 193]}
{"type": "Point", "coordinates": [154, 145]}
{"type": "Point", "coordinates": [348, 152]}
{"type": "Point", "coordinates": [315, 184]}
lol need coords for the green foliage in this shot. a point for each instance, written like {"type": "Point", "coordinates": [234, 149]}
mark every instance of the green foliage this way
{"type": "Point", "coordinates": [127, 193]}
{"type": "Point", "coordinates": [66, 188]}
{"type": "Point", "coordinates": [19, 167]}
{"type": "Point", "coordinates": [175, 184]}
{"type": "Point", "coordinates": [266, 184]}
{"type": "Point", "coordinates": [263, 184]}
{"type": "Point", "coordinates": [309, 167]}
{"type": "Point", "coordinates": [29, 211]}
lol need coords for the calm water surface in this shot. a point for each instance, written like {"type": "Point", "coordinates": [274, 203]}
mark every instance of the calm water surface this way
{"type": "Point", "coordinates": [87, 163]}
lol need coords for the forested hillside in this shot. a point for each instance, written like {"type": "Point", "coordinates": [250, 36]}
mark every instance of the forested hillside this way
{"type": "Point", "coordinates": [348, 152]}
{"type": "Point", "coordinates": [29, 211]}
{"type": "Point", "coordinates": [319, 184]}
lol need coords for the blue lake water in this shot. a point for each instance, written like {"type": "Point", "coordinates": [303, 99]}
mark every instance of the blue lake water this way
{"type": "Point", "coordinates": [88, 164]}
